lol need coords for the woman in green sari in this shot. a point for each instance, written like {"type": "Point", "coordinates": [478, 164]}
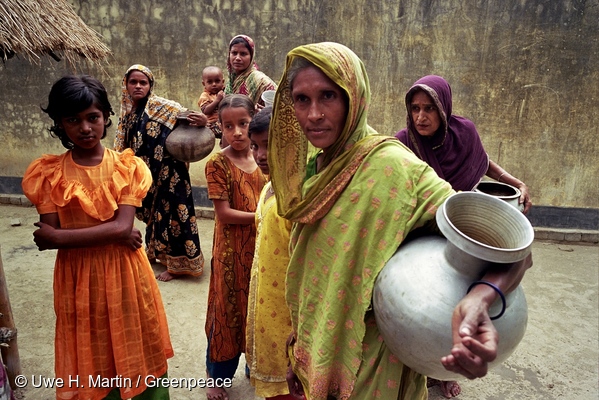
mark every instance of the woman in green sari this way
{"type": "Point", "coordinates": [352, 204]}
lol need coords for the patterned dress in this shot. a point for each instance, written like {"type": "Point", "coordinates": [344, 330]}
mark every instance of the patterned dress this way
{"type": "Point", "coordinates": [268, 322]}
{"type": "Point", "coordinates": [232, 255]}
{"type": "Point", "coordinates": [168, 209]}
{"type": "Point", "coordinates": [333, 268]}
{"type": "Point", "coordinates": [110, 320]}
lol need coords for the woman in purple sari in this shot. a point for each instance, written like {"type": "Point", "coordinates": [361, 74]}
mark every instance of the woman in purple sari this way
{"type": "Point", "coordinates": [449, 143]}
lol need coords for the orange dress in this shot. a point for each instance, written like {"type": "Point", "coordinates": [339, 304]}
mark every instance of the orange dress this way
{"type": "Point", "coordinates": [110, 320]}
{"type": "Point", "coordinates": [232, 255]}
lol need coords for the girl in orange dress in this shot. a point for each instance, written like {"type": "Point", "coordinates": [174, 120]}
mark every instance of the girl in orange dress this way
{"type": "Point", "coordinates": [112, 337]}
{"type": "Point", "coordinates": [234, 185]}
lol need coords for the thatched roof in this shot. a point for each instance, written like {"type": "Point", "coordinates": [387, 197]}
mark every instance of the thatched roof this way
{"type": "Point", "coordinates": [38, 28]}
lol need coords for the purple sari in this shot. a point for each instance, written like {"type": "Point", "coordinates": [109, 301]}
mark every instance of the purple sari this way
{"type": "Point", "coordinates": [455, 151]}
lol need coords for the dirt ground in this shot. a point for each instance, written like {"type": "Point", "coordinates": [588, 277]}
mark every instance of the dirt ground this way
{"type": "Point", "coordinates": [557, 359]}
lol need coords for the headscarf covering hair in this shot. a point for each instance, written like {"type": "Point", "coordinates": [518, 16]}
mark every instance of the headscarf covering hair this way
{"type": "Point", "coordinates": [126, 100]}
{"type": "Point", "coordinates": [455, 151]}
{"type": "Point", "coordinates": [159, 109]}
{"type": "Point", "coordinates": [250, 82]}
{"type": "Point", "coordinates": [249, 42]}
{"type": "Point", "coordinates": [288, 145]}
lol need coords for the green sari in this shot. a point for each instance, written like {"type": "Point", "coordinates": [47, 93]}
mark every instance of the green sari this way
{"type": "Point", "coordinates": [349, 220]}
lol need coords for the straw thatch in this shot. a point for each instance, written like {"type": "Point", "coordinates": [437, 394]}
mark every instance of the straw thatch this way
{"type": "Point", "coordinates": [37, 28]}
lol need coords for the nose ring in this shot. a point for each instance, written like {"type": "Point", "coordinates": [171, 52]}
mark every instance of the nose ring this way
{"type": "Point", "coordinates": [322, 115]}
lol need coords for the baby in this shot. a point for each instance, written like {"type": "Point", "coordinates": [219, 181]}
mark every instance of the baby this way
{"type": "Point", "coordinates": [214, 84]}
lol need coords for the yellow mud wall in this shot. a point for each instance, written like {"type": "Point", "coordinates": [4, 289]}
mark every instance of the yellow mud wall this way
{"type": "Point", "coordinates": [524, 71]}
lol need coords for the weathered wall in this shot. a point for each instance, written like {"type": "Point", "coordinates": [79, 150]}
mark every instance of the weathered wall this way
{"type": "Point", "coordinates": [525, 71]}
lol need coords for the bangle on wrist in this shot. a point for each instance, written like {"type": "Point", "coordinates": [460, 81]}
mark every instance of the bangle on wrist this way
{"type": "Point", "coordinates": [499, 179]}
{"type": "Point", "coordinates": [499, 292]}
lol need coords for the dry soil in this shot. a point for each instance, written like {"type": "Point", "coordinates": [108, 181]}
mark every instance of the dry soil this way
{"type": "Point", "coordinates": [557, 359]}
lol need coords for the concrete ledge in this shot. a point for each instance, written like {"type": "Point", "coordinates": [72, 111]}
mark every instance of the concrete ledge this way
{"type": "Point", "coordinates": [551, 217]}
{"type": "Point", "coordinates": [204, 212]}
{"type": "Point", "coordinates": [567, 235]}
{"type": "Point", "coordinates": [15, 199]}
{"type": "Point", "coordinates": [541, 233]}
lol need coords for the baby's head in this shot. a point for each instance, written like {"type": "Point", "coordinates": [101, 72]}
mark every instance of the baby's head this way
{"type": "Point", "coordinates": [213, 80]}
{"type": "Point", "coordinates": [258, 133]}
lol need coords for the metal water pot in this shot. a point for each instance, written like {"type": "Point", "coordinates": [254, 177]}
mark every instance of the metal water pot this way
{"type": "Point", "coordinates": [417, 290]}
{"type": "Point", "coordinates": [505, 192]}
{"type": "Point", "coordinates": [189, 143]}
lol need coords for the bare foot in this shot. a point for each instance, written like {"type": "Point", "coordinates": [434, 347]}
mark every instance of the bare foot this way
{"type": "Point", "coordinates": [449, 388]}
{"type": "Point", "coordinates": [165, 277]}
{"type": "Point", "coordinates": [216, 393]}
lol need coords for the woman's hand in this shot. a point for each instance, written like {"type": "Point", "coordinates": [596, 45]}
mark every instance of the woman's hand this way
{"type": "Point", "coordinates": [501, 175]}
{"type": "Point", "coordinates": [474, 338]}
{"type": "Point", "coordinates": [524, 197]}
{"type": "Point", "coordinates": [196, 118]}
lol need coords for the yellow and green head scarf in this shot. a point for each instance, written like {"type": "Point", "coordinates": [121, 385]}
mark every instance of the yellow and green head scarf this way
{"type": "Point", "coordinates": [288, 146]}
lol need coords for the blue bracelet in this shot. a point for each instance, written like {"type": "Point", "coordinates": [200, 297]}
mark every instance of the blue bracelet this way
{"type": "Point", "coordinates": [499, 292]}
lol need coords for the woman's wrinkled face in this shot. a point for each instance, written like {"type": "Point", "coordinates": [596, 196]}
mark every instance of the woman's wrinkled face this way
{"type": "Point", "coordinates": [320, 107]}
{"type": "Point", "coordinates": [239, 57]}
{"type": "Point", "coordinates": [138, 86]}
{"type": "Point", "coordinates": [425, 114]}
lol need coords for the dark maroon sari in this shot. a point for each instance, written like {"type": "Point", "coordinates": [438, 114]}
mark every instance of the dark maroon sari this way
{"type": "Point", "coordinates": [455, 151]}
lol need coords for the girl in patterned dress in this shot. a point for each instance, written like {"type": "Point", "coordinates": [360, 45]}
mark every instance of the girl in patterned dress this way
{"type": "Point", "coordinates": [234, 184]}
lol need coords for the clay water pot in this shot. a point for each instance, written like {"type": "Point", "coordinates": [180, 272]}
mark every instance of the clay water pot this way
{"type": "Point", "coordinates": [503, 191]}
{"type": "Point", "coordinates": [417, 290]}
{"type": "Point", "coordinates": [190, 143]}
